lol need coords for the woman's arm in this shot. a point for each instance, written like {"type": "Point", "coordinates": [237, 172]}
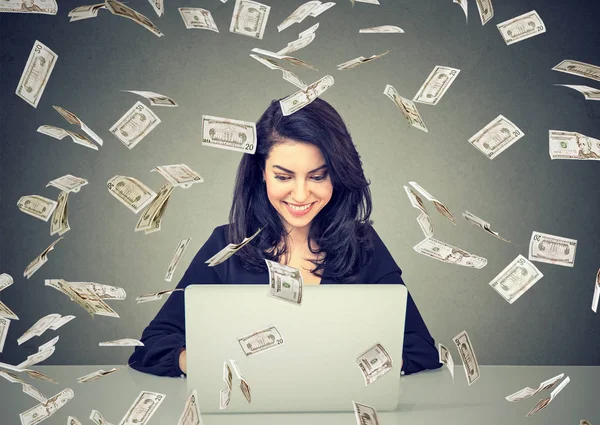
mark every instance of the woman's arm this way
{"type": "Point", "coordinates": [419, 351]}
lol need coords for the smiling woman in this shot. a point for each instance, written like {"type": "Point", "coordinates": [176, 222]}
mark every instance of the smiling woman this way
{"type": "Point", "coordinates": [305, 187]}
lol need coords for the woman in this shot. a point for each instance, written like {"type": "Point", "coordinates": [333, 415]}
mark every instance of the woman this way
{"type": "Point", "coordinates": [306, 188]}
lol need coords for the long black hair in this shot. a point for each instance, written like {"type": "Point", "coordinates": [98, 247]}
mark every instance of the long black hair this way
{"type": "Point", "coordinates": [341, 229]}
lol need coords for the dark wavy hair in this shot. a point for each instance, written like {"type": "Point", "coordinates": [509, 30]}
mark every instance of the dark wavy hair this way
{"type": "Point", "coordinates": [341, 229]}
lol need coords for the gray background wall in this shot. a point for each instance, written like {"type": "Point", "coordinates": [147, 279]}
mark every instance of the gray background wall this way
{"type": "Point", "coordinates": [520, 191]}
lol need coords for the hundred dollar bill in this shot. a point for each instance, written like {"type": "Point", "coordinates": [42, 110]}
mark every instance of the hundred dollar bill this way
{"type": "Point", "coordinates": [546, 401]}
{"type": "Point", "coordinates": [496, 137]}
{"type": "Point", "coordinates": [287, 75]}
{"type": "Point", "coordinates": [521, 27]}
{"type": "Point", "coordinates": [61, 133]}
{"type": "Point", "coordinates": [353, 63]}
{"type": "Point", "coordinates": [131, 192]}
{"type": "Point", "coordinates": [298, 15]}
{"type": "Point", "coordinates": [229, 250]}
{"type": "Point", "coordinates": [177, 255]}
{"type": "Point", "coordinates": [243, 384]}
{"type": "Point", "coordinates": [572, 145]}
{"type": "Point", "coordinates": [467, 355]}
{"type": "Point", "coordinates": [407, 107]}
{"type": "Point", "coordinates": [179, 175]}
{"type": "Point", "coordinates": [102, 291]}
{"type": "Point", "coordinates": [72, 119]}
{"type": "Point", "coordinates": [365, 415]}
{"type": "Point", "coordinates": [97, 375]}
{"type": "Point", "coordinates": [4, 325]}
{"type": "Point", "coordinates": [119, 9]}
{"type": "Point", "coordinates": [438, 205]}
{"type": "Point", "coordinates": [580, 69]}
{"type": "Point", "coordinates": [486, 10]}
{"type": "Point", "coordinates": [39, 261]}
{"type": "Point", "coordinates": [60, 220]}
{"type": "Point", "coordinates": [155, 99]}
{"type": "Point", "coordinates": [198, 18]}
{"type": "Point", "coordinates": [464, 7]}
{"type": "Point", "coordinates": [316, 11]}
{"type": "Point", "coordinates": [304, 39]}
{"type": "Point", "coordinates": [5, 281]}
{"type": "Point", "coordinates": [476, 221]}
{"type": "Point", "coordinates": [301, 98]}
{"type": "Point", "coordinates": [43, 411]}
{"type": "Point", "coordinates": [98, 419]}
{"type": "Point", "coordinates": [436, 85]}
{"type": "Point", "coordinates": [85, 12]}
{"type": "Point", "coordinates": [135, 124]}
{"type": "Point", "coordinates": [36, 74]}
{"type": "Point", "coordinates": [68, 183]}
{"type": "Point", "coordinates": [445, 357]}
{"type": "Point", "coordinates": [225, 394]}
{"type": "Point", "coordinates": [285, 282]}
{"type": "Point", "coordinates": [447, 253]}
{"type": "Point", "coordinates": [148, 217]}
{"type": "Point", "coordinates": [72, 420]}
{"type": "Point", "coordinates": [595, 297]}
{"type": "Point", "coordinates": [37, 206]}
{"type": "Point", "coordinates": [516, 279]}
{"type": "Point", "coordinates": [154, 296]}
{"type": "Point", "coordinates": [123, 342]}
{"type": "Point", "coordinates": [227, 133]}
{"type": "Point", "coordinates": [47, 7]}
{"type": "Point", "coordinates": [38, 328]}
{"type": "Point", "coordinates": [294, 61]}
{"type": "Point", "coordinates": [552, 249]}
{"type": "Point", "coordinates": [383, 29]}
{"type": "Point", "coordinates": [7, 312]}
{"type": "Point", "coordinates": [528, 392]}
{"type": "Point", "coordinates": [590, 93]}
{"type": "Point", "coordinates": [142, 409]}
{"type": "Point", "coordinates": [374, 363]}
{"type": "Point", "coordinates": [249, 18]}
{"type": "Point", "coordinates": [191, 412]}
{"type": "Point", "coordinates": [262, 340]}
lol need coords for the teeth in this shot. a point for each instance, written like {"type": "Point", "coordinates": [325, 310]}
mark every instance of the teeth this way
{"type": "Point", "coordinates": [299, 208]}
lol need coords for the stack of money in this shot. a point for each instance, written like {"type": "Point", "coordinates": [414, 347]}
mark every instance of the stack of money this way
{"type": "Point", "coordinates": [249, 18]}
{"type": "Point", "coordinates": [84, 295]}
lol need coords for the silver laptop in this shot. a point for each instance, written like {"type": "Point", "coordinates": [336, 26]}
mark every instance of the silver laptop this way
{"type": "Point", "coordinates": [315, 370]}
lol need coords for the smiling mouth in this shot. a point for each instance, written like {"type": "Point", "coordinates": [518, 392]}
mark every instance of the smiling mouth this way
{"type": "Point", "coordinates": [299, 207]}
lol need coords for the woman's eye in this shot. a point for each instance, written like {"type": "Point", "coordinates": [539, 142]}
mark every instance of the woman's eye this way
{"type": "Point", "coordinates": [281, 178]}
{"type": "Point", "coordinates": [319, 178]}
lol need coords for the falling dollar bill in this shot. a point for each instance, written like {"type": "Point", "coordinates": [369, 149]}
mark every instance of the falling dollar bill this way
{"type": "Point", "coordinates": [287, 75]}
{"type": "Point", "coordinates": [158, 6]}
{"type": "Point", "coordinates": [83, 294]}
{"type": "Point", "coordinates": [447, 253]}
{"type": "Point", "coordinates": [229, 250]}
{"type": "Point", "coordinates": [445, 357]}
{"type": "Point", "coordinates": [521, 27]}
{"type": "Point", "coordinates": [407, 107]}
{"type": "Point", "coordinates": [143, 408]}
{"type": "Point", "coordinates": [43, 411]}
{"type": "Point", "coordinates": [484, 225]}
{"type": "Point", "coordinates": [580, 69]}
{"type": "Point", "coordinates": [383, 29]}
{"type": "Point", "coordinates": [496, 137]}
{"type": "Point", "coordinates": [7, 312]}
{"type": "Point", "coordinates": [60, 219]}
{"type": "Point", "coordinates": [119, 9]}
{"type": "Point", "coordinates": [131, 192]}
{"type": "Point", "coordinates": [374, 363]}
{"type": "Point", "coordinates": [225, 394]}
{"type": "Point", "coordinates": [68, 183]}
{"type": "Point", "coordinates": [135, 124]}
{"type": "Point", "coordinates": [467, 355]}
{"type": "Point", "coordinates": [249, 18]}
{"type": "Point", "coordinates": [423, 219]}
{"type": "Point", "coordinates": [573, 145]}
{"type": "Point", "coordinates": [191, 414]}
{"type": "Point", "coordinates": [179, 251]}
{"type": "Point", "coordinates": [353, 63]}
{"type": "Point", "coordinates": [98, 374]}
{"type": "Point", "coordinates": [285, 282]}
{"type": "Point", "coordinates": [589, 93]}
{"type": "Point", "coordinates": [262, 340]}
{"type": "Point", "coordinates": [147, 219]}
{"type": "Point", "coordinates": [98, 419]}
{"type": "Point", "coordinates": [40, 260]}
{"type": "Point", "coordinates": [552, 249]}
{"type": "Point", "coordinates": [198, 18]}
{"type": "Point", "coordinates": [5, 281]}
{"type": "Point", "coordinates": [442, 209]}
{"type": "Point", "coordinates": [436, 84]}
{"type": "Point", "coordinates": [123, 342]}
{"type": "Point", "coordinates": [47, 7]}
{"type": "Point", "coordinates": [365, 415]}
{"type": "Point", "coordinates": [546, 401]}
{"type": "Point", "coordinates": [486, 10]}
{"type": "Point", "coordinates": [36, 74]}
{"type": "Point", "coordinates": [320, 9]}
{"type": "Point", "coordinates": [516, 279]}
{"type": "Point", "coordinates": [61, 133]}
{"type": "Point", "coordinates": [293, 60]}
{"type": "Point", "coordinates": [595, 297]}
{"type": "Point", "coordinates": [298, 15]}
{"type": "Point", "coordinates": [4, 325]}
{"type": "Point", "coordinates": [303, 97]}
{"type": "Point", "coordinates": [366, 1]}
{"type": "Point", "coordinates": [155, 99]}
{"type": "Point", "coordinates": [464, 6]}
{"type": "Point", "coordinates": [37, 206]}
{"type": "Point", "coordinates": [304, 39]}
{"type": "Point", "coordinates": [71, 118]}
{"type": "Point", "coordinates": [243, 383]}
{"type": "Point", "coordinates": [42, 325]}
{"type": "Point", "coordinates": [528, 392]}
{"type": "Point", "coordinates": [179, 175]}
{"type": "Point", "coordinates": [154, 296]}
{"type": "Point", "coordinates": [227, 133]}
{"type": "Point", "coordinates": [102, 291]}
{"type": "Point", "coordinates": [85, 12]}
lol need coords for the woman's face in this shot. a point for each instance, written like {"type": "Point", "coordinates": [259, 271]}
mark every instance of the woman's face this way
{"type": "Point", "coordinates": [296, 174]}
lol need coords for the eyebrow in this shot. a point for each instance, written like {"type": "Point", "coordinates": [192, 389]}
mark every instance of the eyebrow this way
{"type": "Point", "coordinates": [291, 172]}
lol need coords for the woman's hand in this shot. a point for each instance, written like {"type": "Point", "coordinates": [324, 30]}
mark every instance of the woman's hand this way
{"type": "Point", "coordinates": [183, 360]}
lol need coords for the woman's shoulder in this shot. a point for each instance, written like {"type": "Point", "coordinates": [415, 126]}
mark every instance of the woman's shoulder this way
{"type": "Point", "coordinates": [382, 261]}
